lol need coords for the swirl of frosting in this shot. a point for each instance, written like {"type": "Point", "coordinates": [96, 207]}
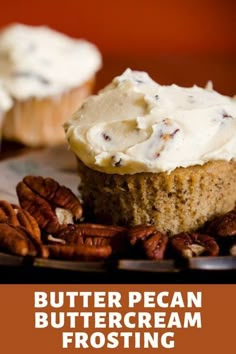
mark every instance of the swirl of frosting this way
{"type": "Point", "coordinates": [136, 125]}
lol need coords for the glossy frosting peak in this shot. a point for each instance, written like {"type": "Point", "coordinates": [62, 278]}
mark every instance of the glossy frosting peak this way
{"type": "Point", "coordinates": [136, 125]}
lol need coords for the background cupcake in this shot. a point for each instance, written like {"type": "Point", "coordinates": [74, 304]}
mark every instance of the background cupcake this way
{"type": "Point", "coordinates": [48, 75]}
{"type": "Point", "coordinates": [152, 154]}
{"type": "Point", "coordinates": [5, 105]}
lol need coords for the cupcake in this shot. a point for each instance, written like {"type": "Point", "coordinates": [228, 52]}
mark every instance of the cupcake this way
{"type": "Point", "coordinates": [153, 154]}
{"type": "Point", "coordinates": [48, 75]}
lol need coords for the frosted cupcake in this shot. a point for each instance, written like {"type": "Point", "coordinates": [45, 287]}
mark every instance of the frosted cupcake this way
{"type": "Point", "coordinates": [48, 75]}
{"type": "Point", "coordinates": [152, 154]}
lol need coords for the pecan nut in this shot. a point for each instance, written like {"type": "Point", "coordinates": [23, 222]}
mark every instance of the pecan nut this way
{"type": "Point", "coordinates": [155, 245]}
{"type": "Point", "coordinates": [140, 232]}
{"type": "Point", "coordinates": [18, 240]}
{"type": "Point", "coordinates": [14, 215]}
{"type": "Point", "coordinates": [72, 232]}
{"type": "Point", "coordinates": [79, 252]}
{"type": "Point", "coordinates": [91, 241]}
{"type": "Point", "coordinates": [8, 214]}
{"type": "Point", "coordinates": [188, 245]}
{"type": "Point", "coordinates": [149, 241]}
{"type": "Point", "coordinates": [52, 205]}
{"type": "Point", "coordinates": [224, 225]}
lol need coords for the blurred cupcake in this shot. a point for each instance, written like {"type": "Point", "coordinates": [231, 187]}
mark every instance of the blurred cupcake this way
{"type": "Point", "coordinates": [152, 154]}
{"type": "Point", "coordinates": [5, 104]}
{"type": "Point", "coordinates": [48, 75]}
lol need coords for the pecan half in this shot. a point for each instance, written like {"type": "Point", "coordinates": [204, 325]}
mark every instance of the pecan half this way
{"type": "Point", "coordinates": [140, 232]}
{"type": "Point", "coordinates": [8, 214]}
{"type": "Point", "coordinates": [52, 205]}
{"type": "Point", "coordinates": [223, 226]}
{"type": "Point", "coordinates": [90, 241]}
{"type": "Point", "coordinates": [149, 241]}
{"type": "Point", "coordinates": [18, 240]}
{"type": "Point", "coordinates": [16, 216]}
{"type": "Point", "coordinates": [82, 252]}
{"type": "Point", "coordinates": [155, 246]}
{"type": "Point", "coordinates": [189, 245]}
{"type": "Point", "coordinates": [73, 232]}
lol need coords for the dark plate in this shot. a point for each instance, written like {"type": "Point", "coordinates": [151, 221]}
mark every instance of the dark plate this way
{"type": "Point", "coordinates": [96, 266]}
{"type": "Point", "coordinates": [11, 260]}
{"type": "Point", "coordinates": [212, 263]}
{"type": "Point", "coordinates": [147, 266]}
{"type": "Point", "coordinates": [220, 263]}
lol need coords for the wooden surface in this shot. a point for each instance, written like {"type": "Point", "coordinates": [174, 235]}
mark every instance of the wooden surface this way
{"type": "Point", "coordinates": [182, 70]}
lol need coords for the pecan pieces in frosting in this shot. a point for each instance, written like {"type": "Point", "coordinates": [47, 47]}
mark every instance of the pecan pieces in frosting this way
{"type": "Point", "coordinates": [52, 205]}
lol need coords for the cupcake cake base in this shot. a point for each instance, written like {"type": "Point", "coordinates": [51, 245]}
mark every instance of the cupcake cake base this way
{"type": "Point", "coordinates": [38, 122]}
{"type": "Point", "coordinates": [182, 200]}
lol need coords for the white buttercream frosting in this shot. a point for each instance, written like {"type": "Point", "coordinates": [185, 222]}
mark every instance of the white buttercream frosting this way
{"type": "Point", "coordinates": [136, 125]}
{"type": "Point", "coordinates": [40, 62]}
